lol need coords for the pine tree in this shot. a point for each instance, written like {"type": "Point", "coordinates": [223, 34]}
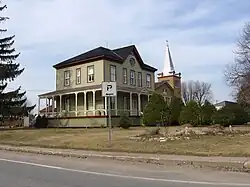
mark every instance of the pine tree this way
{"type": "Point", "coordinates": [207, 111]}
{"type": "Point", "coordinates": [13, 103]}
{"type": "Point", "coordinates": [190, 113]}
{"type": "Point", "coordinates": [156, 111]}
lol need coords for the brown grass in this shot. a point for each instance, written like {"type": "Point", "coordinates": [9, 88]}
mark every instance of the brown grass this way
{"type": "Point", "coordinates": [97, 139]}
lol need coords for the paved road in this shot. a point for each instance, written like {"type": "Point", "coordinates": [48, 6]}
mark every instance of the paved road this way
{"type": "Point", "coordinates": [28, 170]}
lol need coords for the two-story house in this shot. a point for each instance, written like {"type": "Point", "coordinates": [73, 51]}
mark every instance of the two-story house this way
{"type": "Point", "coordinates": [77, 100]}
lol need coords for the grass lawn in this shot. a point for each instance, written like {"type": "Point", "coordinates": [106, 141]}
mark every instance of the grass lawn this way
{"type": "Point", "coordinates": [97, 139]}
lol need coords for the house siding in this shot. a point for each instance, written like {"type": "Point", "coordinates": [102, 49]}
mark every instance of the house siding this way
{"type": "Point", "coordinates": [98, 75]}
{"type": "Point", "coordinates": [119, 74]}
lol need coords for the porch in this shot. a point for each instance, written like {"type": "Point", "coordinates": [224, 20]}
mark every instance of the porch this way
{"type": "Point", "coordinates": [91, 103]}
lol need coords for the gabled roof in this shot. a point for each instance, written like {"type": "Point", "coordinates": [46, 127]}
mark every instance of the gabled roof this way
{"type": "Point", "coordinates": [92, 55]}
{"type": "Point", "coordinates": [116, 55]}
{"type": "Point", "coordinates": [161, 83]}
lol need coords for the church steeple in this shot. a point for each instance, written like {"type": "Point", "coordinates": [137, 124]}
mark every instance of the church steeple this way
{"type": "Point", "coordinates": [168, 62]}
{"type": "Point", "coordinates": [169, 75]}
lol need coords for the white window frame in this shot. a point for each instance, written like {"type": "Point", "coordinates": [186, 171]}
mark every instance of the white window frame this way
{"type": "Point", "coordinates": [125, 76]}
{"type": "Point", "coordinates": [78, 76]}
{"type": "Point", "coordinates": [90, 75]}
{"type": "Point", "coordinates": [139, 79]}
{"type": "Point", "coordinates": [67, 78]}
{"type": "Point", "coordinates": [148, 81]}
{"type": "Point", "coordinates": [112, 73]}
{"type": "Point", "coordinates": [132, 77]}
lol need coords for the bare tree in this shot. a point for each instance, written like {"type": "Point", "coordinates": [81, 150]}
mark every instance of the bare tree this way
{"type": "Point", "coordinates": [238, 73]}
{"type": "Point", "coordinates": [197, 91]}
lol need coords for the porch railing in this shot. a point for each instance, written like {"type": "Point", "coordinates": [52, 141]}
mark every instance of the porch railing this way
{"type": "Point", "coordinates": [99, 112]}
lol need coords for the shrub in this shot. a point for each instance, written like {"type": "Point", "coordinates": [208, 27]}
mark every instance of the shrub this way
{"type": "Point", "coordinates": [156, 111]}
{"type": "Point", "coordinates": [190, 114]}
{"type": "Point", "coordinates": [125, 122]}
{"type": "Point", "coordinates": [207, 111]}
{"type": "Point", "coordinates": [41, 122]}
{"type": "Point", "coordinates": [231, 115]}
{"type": "Point", "coordinates": [176, 105]}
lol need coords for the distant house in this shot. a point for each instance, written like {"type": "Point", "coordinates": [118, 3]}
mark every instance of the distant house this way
{"type": "Point", "coordinates": [223, 104]}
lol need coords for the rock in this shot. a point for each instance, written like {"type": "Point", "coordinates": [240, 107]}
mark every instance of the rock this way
{"type": "Point", "coordinates": [162, 139]}
{"type": "Point", "coordinates": [230, 128]}
{"type": "Point", "coordinates": [150, 139]}
{"type": "Point", "coordinates": [246, 165]}
{"type": "Point", "coordinates": [134, 138]}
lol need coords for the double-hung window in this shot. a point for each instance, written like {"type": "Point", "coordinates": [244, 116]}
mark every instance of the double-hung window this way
{"type": "Point", "coordinates": [132, 77]}
{"type": "Point", "coordinates": [78, 76]}
{"type": "Point", "coordinates": [139, 79]}
{"type": "Point", "coordinates": [125, 76]}
{"type": "Point", "coordinates": [66, 78]}
{"type": "Point", "coordinates": [91, 76]}
{"type": "Point", "coordinates": [148, 81]}
{"type": "Point", "coordinates": [112, 73]}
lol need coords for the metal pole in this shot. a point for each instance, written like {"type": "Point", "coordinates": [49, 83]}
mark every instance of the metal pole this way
{"type": "Point", "coordinates": [109, 107]}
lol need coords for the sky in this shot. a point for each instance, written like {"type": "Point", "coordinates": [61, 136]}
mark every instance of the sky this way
{"type": "Point", "coordinates": [202, 35]}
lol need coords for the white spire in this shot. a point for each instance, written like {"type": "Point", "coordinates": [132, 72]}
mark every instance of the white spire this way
{"type": "Point", "coordinates": [168, 63]}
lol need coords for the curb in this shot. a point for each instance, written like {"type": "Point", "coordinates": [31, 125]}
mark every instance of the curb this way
{"type": "Point", "coordinates": [224, 166]}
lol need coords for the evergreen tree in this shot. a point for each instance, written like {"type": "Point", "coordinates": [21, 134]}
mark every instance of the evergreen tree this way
{"type": "Point", "coordinates": [190, 113]}
{"type": "Point", "coordinates": [231, 115]}
{"type": "Point", "coordinates": [156, 111]}
{"type": "Point", "coordinates": [12, 104]}
{"type": "Point", "coordinates": [207, 111]}
{"type": "Point", "coordinates": [176, 105]}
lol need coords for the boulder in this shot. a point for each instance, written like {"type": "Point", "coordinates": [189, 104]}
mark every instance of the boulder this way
{"type": "Point", "coordinates": [246, 165]}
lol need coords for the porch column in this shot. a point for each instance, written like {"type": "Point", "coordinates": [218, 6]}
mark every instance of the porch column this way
{"type": "Point", "coordinates": [46, 108]}
{"type": "Point", "coordinates": [60, 103]}
{"type": "Point", "coordinates": [93, 102]}
{"type": "Point", "coordinates": [139, 104]}
{"type": "Point", "coordinates": [85, 103]}
{"type": "Point", "coordinates": [148, 97]}
{"type": "Point", "coordinates": [105, 105]}
{"type": "Point", "coordinates": [38, 112]}
{"type": "Point", "coordinates": [53, 105]}
{"type": "Point", "coordinates": [130, 104]}
{"type": "Point", "coordinates": [116, 106]}
{"type": "Point", "coordinates": [76, 102]}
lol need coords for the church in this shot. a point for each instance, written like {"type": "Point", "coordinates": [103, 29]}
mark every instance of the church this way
{"type": "Point", "coordinates": [77, 100]}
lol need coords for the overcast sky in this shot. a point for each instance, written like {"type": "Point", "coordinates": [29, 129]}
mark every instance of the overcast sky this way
{"type": "Point", "coordinates": [202, 35]}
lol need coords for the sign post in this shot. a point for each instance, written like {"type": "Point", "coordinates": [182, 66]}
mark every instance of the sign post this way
{"type": "Point", "coordinates": [109, 91]}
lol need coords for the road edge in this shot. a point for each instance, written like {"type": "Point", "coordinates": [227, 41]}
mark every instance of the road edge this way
{"type": "Point", "coordinates": [224, 166]}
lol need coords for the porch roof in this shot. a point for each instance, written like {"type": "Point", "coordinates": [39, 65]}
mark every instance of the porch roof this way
{"type": "Point", "coordinates": [68, 91]}
{"type": "Point", "coordinates": [86, 88]}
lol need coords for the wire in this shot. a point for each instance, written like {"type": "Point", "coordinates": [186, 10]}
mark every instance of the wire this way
{"type": "Point", "coordinates": [28, 90]}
